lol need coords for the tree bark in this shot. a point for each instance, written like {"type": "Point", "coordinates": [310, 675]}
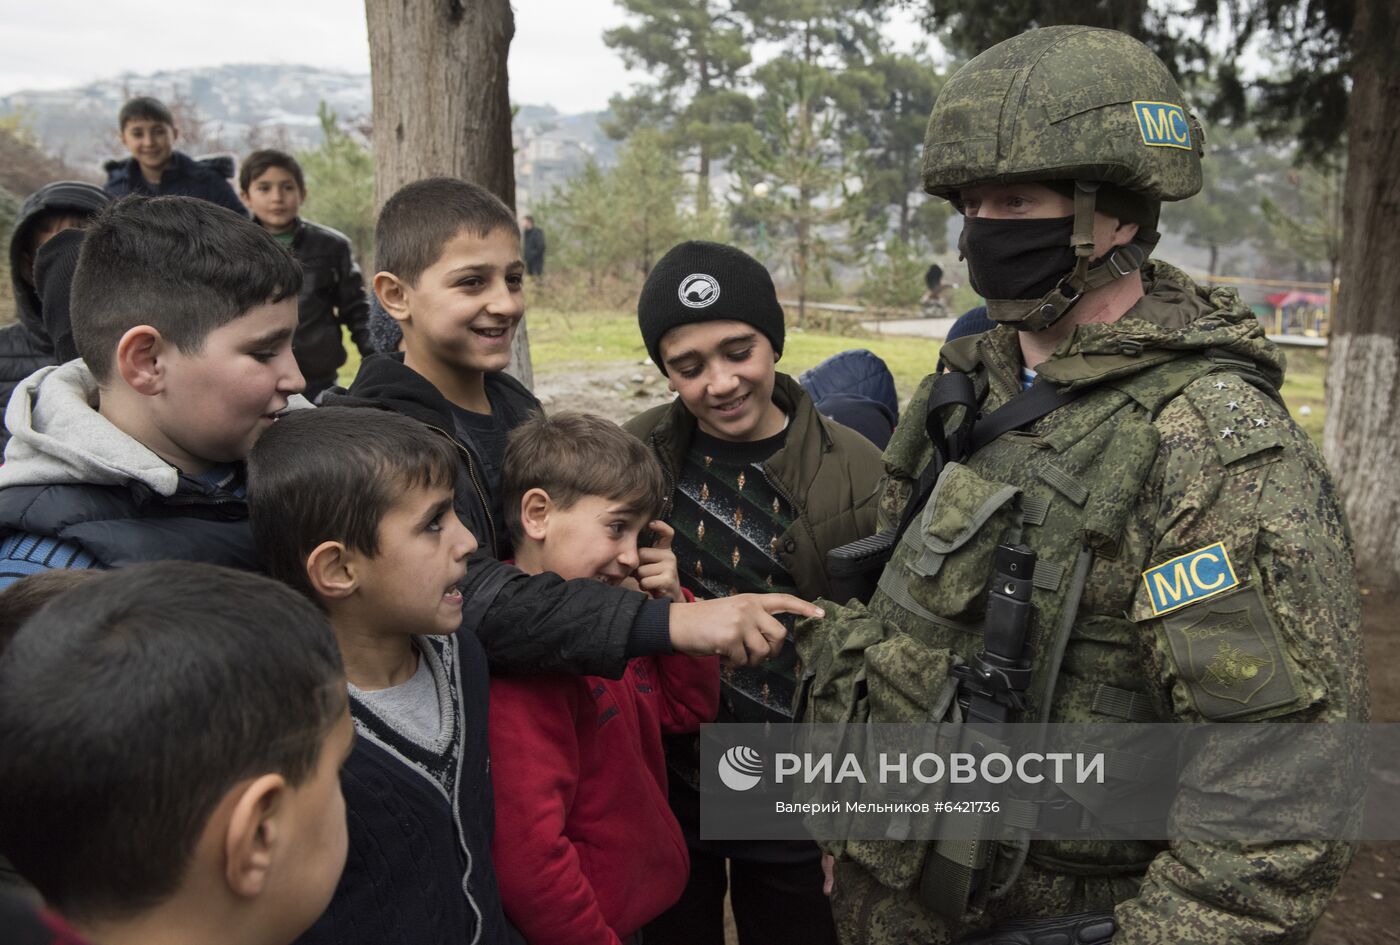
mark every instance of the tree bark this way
{"type": "Point", "coordinates": [1363, 374]}
{"type": "Point", "coordinates": [702, 182]}
{"type": "Point", "coordinates": [442, 103]}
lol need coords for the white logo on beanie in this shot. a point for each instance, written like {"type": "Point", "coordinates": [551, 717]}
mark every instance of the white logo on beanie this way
{"type": "Point", "coordinates": [699, 290]}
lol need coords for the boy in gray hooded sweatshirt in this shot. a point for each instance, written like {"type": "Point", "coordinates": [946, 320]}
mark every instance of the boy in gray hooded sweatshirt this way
{"type": "Point", "coordinates": [183, 315]}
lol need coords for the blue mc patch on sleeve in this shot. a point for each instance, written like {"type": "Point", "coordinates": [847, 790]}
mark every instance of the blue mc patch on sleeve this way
{"type": "Point", "coordinates": [1163, 125]}
{"type": "Point", "coordinates": [1188, 578]}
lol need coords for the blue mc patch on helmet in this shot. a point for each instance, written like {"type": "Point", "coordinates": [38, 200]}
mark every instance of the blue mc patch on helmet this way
{"type": "Point", "coordinates": [1163, 125]}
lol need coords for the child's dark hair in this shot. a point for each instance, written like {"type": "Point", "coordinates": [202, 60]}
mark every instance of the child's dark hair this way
{"type": "Point", "coordinates": [332, 474]}
{"type": "Point", "coordinates": [256, 165]}
{"type": "Point", "coordinates": [179, 264]}
{"type": "Point", "coordinates": [572, 455]}
{"type": "Point", "coordinates": [421, 217]}
{"type": "Point", "coordinates": [144, 108]}
{"type": "Point", "coordinates": [22, 599]}
{"type": "Point", "coordinates": [131, 704]}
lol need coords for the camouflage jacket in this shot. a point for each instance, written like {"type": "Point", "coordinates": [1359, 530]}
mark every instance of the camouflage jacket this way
{"type": "Point", "coordinates": [1177, 454]}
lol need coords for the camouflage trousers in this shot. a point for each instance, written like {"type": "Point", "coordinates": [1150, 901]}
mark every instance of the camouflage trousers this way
{"type": "Point", "coordinates": [868, 913]}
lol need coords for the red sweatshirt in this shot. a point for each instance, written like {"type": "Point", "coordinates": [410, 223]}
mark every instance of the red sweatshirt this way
{"type": "Point", "coordinates": [587, 849]}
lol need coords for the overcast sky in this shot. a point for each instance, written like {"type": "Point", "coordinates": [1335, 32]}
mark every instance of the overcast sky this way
{"type": "Point", "coordinates": [558, 57]}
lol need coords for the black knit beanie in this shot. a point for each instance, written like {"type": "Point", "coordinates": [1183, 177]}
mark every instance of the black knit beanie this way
{"type": "Point", "coordinates": [707, 282]}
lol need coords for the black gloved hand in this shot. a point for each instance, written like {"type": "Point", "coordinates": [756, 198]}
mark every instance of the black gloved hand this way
{"type": "Point", "coordinates": [1086, 928]}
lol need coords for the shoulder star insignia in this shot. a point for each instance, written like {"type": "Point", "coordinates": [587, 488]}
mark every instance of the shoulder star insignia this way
{"type": "Point", "coordinates": [1226, 433]}
{"type": "Point", "coordinates": [1260, 422]}
{"type": "Point", "coordinates": [1233, 405]}
{"type": "Point", "coordinates": [1220, 385]}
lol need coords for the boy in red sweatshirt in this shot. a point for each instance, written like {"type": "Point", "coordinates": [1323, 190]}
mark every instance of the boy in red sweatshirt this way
{"type": "Point", "coordinates": [586, 847]}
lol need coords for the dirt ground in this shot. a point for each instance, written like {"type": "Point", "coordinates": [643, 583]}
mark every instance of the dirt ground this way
{"type": "Point", "coordinates": [618, 390]}
{"type": "Point", "coordinates": [1366, 910]}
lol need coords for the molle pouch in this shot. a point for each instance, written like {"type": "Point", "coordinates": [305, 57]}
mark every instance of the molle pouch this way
{"type": "Point", "coordinates": [909, 681]}
{"type": "Point", "coordinates": [945, 558]}
{"type": "Point", "coordinates": [831, 671]}
{"type": "Point", "coordinates": [893, 863]}
{"type": "Point", "coordinates": [899, 859]}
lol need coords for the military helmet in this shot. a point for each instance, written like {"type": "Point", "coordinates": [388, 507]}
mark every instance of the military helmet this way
{"type": "Point", "coordinates": [1064, 103]}
{"type": "Point", "coordinates": [1076, 104]}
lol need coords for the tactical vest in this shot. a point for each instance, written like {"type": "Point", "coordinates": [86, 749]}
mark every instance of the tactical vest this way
{"type": "Point", "coordinates": [1066, 490]}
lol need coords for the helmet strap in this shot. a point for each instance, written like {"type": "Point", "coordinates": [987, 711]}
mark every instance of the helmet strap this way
{"type": "Point", "coordinates": [1120, 261]}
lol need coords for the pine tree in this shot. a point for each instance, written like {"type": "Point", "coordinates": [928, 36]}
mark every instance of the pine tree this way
{"type": "Point", "coordinates": [697, 51]}
{"type": "Point", "coordinates": [794, 170]}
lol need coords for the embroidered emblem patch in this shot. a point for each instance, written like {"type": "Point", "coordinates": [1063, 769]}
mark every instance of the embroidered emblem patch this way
{"type": "Point", "coordinates": [1163, 125]}
{"type": "Point", "coordinates": [698, 290]}
{"type": "Point", "coordinates": [1228, 653]}
{"type": "Point", "coordinates": [1188, 578]}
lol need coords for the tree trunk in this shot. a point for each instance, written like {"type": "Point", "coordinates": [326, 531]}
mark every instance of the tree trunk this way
{"type": "Point", "coordinates": [702, 180]}
{"type": "Point", "coordinates": [702, 175]}
{"type": "Point", "coordinates": [442, 103]}
{"type": "Point", "coordinates": [1214, 259]}
{"type": "Point", "coordinates": [1363, 375]}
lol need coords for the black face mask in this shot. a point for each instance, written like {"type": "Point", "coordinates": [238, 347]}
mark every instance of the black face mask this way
{"type": "Point", "coordinates": [1016, 259]}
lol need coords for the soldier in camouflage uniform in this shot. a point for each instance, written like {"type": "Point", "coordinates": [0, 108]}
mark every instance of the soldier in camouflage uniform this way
{"type": "Point", "coordinates": [1193, 561]}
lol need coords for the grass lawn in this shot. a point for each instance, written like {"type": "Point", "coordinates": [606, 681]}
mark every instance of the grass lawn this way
{"type": "Point", "coordinates": [560, 342]}
{"type": "Point", "coordinates": [1303, 388]}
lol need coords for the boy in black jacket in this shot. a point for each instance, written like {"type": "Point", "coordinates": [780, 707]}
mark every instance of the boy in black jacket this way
{"type": "Point", "coordinates": [272, 186]}
{"type": "Point", "coordinates": [450, 273]}
{"type": "Point", "coordinates": [29, 343]}
{"type": "Point", "coordinates": [170, 743]}
{"type": "Point", "coordinates": [156, 169]}
{"type": "Point", "coordinates": [353, 509]}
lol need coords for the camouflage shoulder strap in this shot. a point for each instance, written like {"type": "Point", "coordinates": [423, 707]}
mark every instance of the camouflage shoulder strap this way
{"type": "Point", "coordinates": [955, 390]}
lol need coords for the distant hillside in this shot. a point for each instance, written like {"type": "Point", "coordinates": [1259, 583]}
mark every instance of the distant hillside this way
{"type": "Point", "coordinates": [232, 106]}
{"type": "Point", "coordinates": [240, 107]}
{"type": "Point", "coordinates": [24, 168]}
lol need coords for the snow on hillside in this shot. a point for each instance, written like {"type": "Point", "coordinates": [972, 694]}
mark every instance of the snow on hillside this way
{"type": "Point", "coordinates": [240, 107]}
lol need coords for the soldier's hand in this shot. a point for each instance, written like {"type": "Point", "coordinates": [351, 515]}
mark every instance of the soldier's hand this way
{"type": "Point", "coordinates": [828, 874]}
{"type": "Point", "coordinates": [741, 628]}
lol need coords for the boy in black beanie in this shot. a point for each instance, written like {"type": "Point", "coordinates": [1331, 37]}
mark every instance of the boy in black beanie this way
{"type": "Point", "coordinates": [762, 486]}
